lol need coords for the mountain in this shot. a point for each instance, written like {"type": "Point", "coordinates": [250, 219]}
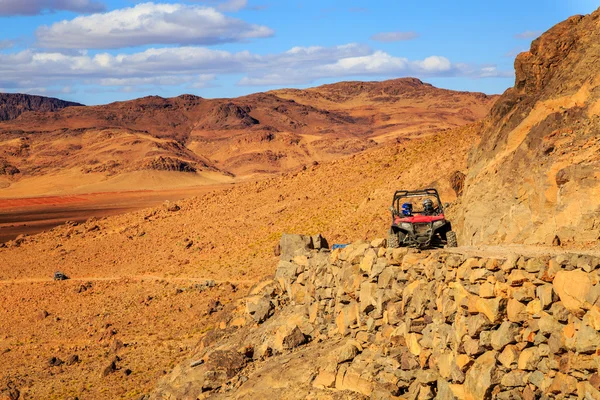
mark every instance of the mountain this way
{"type": "Point", "coordinates": [14, 104]}
{"type": "Point", "coordinates": [535, 175]}
{"type": "Point", "coordinates": [124, 144]}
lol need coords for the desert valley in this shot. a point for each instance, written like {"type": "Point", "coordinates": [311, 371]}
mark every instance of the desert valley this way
{"type": "Point", "coordinates": [196, 235]}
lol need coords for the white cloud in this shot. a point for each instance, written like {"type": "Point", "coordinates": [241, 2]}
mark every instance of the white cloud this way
{"type": "Point", "coordinates": [232, 5]}
{"type": "Point", "coordinates": [528, 35]}
{"type": "Point", "coordinates": [394, 36]}
{"type": "Point", "coordinates": [149, 23]}
{"type": "Point", "coordinates": [35, 7]}
{"type": "Point", "coordinates": [197, 82]}
{"type": "Point", "coordinates": [6, 44]}
{"type": "Point", "coordinates": [199, 67]}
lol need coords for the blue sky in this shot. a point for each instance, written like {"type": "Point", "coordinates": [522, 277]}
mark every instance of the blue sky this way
{"type": "Point", "coordinates": [98, 51]}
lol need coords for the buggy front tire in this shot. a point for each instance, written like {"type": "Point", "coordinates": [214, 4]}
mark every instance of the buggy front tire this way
{"type": "Point", "coordinates": [451, 239]}
{"type": "Point", "coordinates": [393, 242]}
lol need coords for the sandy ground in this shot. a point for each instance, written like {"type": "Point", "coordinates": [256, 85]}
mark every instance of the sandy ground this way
{"type": "Point", "coordinates": [36, 214]}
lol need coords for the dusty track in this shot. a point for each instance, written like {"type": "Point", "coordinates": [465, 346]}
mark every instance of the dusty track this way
{"type": "Point", "coordinates": [135, 278]}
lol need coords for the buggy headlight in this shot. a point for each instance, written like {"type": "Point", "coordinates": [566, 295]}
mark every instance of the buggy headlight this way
{"type": "Point", "coordinates": [406, 225]}
{"type": "Point", "coordinates": [437, 224]}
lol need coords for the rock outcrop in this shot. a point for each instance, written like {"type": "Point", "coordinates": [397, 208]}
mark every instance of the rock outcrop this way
{"type": "Point", "coordinates": [536, 173]}
{"type": "Point", "coordinates": [370, 322]}
{"type": "Point", "coordinates": [14, 104]}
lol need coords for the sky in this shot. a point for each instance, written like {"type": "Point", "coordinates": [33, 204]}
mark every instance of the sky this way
{"type": "Point", "coordinates": [100, 51]}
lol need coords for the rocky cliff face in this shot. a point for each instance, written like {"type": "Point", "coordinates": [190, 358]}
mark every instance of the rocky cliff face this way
{"type": "Point", "coordinates": [13, 105]}
{"type": "Point", "coordinates": [536, 172]}
{"type": "Point", "coordinates": [369, 322]}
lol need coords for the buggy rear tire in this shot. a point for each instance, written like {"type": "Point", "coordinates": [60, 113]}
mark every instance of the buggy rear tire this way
{"type": "Point", "coordinates": [451, 239]}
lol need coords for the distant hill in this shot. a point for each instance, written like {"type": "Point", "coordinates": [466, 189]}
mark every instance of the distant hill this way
{"type": "Point", "coordinates": [216, 140]}
{"type": "Point", "coordinates": [14, 104]}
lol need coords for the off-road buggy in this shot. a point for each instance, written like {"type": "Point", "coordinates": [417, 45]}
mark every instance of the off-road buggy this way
{"type": "Point", "coordinates": [418, 220]}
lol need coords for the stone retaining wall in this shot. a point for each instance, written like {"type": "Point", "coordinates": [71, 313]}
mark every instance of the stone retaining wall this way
{"type": "Point", "coordinates": [367, 322]}
{"type": "Point", "coordinates": [450, 326]}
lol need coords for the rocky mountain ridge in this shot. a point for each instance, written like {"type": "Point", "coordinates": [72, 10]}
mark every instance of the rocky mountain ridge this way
{"type": "Point", "coordinates": [12, 105]}
{"type": "Point", "coordinates": [250, 136]}
{"type": "Point", "coordinates": [370, 322]}
{"type": "Point", "coordinates": [535, 175]}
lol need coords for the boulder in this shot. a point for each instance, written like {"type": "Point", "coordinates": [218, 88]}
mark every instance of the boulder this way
{"type": "Point", "coordinates": [563, 384]}
{"type": "Point", "coordinates": [294, 245]}
{"type": "Point", "coordinates": [505, 334]}
{"type": "Point", "coordinates": [482, 377]}
{"type": "Point", "coordinates": [347, 352]}
{"type": "Point", "coordinates": [529, 359]}
{"type": "Point", "coordinates": [259, 308]}
{"type": "Point", "coordinates": [288, 337]}
{"type": "Point", "coordinates": [573, 288]}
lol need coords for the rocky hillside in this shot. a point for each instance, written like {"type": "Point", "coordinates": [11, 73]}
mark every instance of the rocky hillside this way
{"type": "Point", "coordinates": [249, 136]}
{"type": "Point", "coordinates": [14, 104]}
{"type": "Point", "coordinates": [366, 322]}
{"type": "Point", "coordinates": [535, 176]}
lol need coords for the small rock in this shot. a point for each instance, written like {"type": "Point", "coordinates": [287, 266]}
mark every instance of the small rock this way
{"type": "Point", "coordinates": [563, 384]}
{"type": "Point", "coordinates": [73, 359]}
{"type": "Point", "coordinates": [214, 305]}
{"type": "Point", "coordinates": [259, 308]}
{"type": "Point", "coordinates": [515, 378]}
{"type": "Point", "coordinates": [294, 339]}
{"type": "Point", "coordinates": [529, 359]}
{"type": "Point", "coordinates": [109, 369]}
{"type": "Point", "coordinates": [55, 362]}
{"type": "Point", "coordinates": [347, 353]}
{"type": "Point", "coordinates": [505, 334]}
{"type": "Point", "coordinates": [42, 315]}
{"type": "Point", "coordinates": [172, 207]}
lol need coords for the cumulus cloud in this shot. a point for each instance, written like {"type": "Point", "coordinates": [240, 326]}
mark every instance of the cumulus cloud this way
{"type": "Point", "coordinates": [35, 7]}
{"type": "Point", "coordinates": [394, 36]}
{"type": "Point", "coordinates": [199, 66]}
{"type": "Point", "coordinates": [528, 35]}
{"type": "Point", "coordinates": [149, 23]}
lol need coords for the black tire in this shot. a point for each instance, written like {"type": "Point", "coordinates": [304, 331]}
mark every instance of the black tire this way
{"type": "Point", "coordinates": [393, 242]}
{"type": "Point", "coordinates": [451, 239]}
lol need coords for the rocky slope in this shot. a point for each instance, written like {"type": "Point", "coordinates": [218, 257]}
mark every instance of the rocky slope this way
{"type": "Point", "coordinates": [250, 136]}
{"type": "Point", "coordinates": [143, 266]}
{"type": "Point", "coordinates": [535, 176]}
{"type": "Point", "coordinates": [369, 322]}
{"type": "Point", "coordinates": [14, 104]}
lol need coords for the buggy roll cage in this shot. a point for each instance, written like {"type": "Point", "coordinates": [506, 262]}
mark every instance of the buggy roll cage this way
{"type": "Point", "coordinates": [399, 194]}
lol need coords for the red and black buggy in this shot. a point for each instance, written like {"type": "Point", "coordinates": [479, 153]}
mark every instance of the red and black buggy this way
{"type": "Point", "coordinates": [418, 220]}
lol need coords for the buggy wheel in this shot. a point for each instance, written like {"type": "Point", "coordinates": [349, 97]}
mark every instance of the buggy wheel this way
{"type": "Point", "coordinates": [392, 241]}
{"type": "Point", "coordinates": [451, 239]}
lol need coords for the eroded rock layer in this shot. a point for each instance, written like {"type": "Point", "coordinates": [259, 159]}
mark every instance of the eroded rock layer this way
{"type": "Point", "coordinates": [536, 172]}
